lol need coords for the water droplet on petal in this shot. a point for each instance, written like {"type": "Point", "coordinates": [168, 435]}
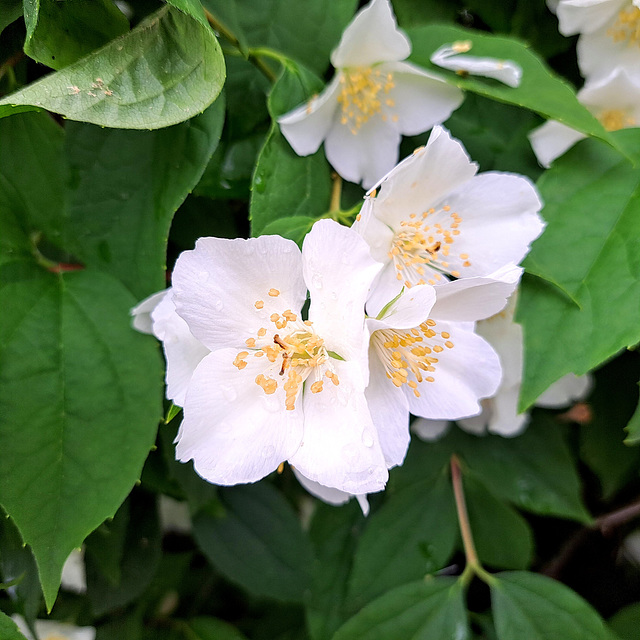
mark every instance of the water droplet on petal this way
{"type": "Point", "coordinates": [316, 281]}
{"type": "Point", "coordinates": [271, 403]}
{"type": "Point", "coordinates": [223, 427]}
{"type": "Point", "coordinates": [367, 438]}
{"type": "Point", "coordinates": [350, 452]}
{"type": "Point", "coordinates": [334, 295]}
{"type": "Point", "coordinates": [219, 305]}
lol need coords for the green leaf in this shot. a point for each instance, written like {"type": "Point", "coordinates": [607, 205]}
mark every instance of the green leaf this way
{"type": "Point", "coordinates": [534, 471]}
{"type": "Point", "coordinates": [125, 186]}
{"type": "Point", "coordinates": [306, 32]}
{"type": "Point", "coordinates": [205, 628]}
{"type": "Point", "coordinates": [76, 381]}
{"type": "Point", "coordinates": [141, 551]}
{"type": "Point", "coordinates": [31, 140]}
{"type": "Point", "coordinates": [257, 542]}
{"type": "Point", "coordinates": [427, 610]}
{"type": "Point", "coordinates": [285, 184]}
{"type": "Point", "coordinates": [625, 622]}
{"type": "Point", "coordinates": [412, 534]}
{"type": "Point", "coordinates": [8, 629]}
{"type": "Point", "coordinates": [612, 403]}
{"type": "Point", "coordinates": [294, 227]}
{"type": "Point", "coordinates": [333, 533]}
{"type": "Point", "coordinates": [10, 11]}
{"type": "Point", "coordinates": [493, 523]}
{"type": "Point", "coordinates": [633, 428]}
{"type": "Point", "coordinates": [532, 606]}
{"type": "Point", "coordinates": [541, 90]}
{"type": "Point", "coordinates": [192, 8]}
{"type": "Point", "coordinates": [17, 564]}
{"type": "Point", "coordinates": [582, 259]}
{"type": "Point", "coordinates": [166, 70]}
{"type": "Point", "coordinates": [59, 33]}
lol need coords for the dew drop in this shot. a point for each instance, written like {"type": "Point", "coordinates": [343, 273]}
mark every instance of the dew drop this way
{"type": "Point", "coordinates": [367, 438]}
{"type": "Point", "coordinates": [271, 403]}
{"type": "Point", "coordinates": [316, 281]}
{"type": "Point", "coordinates": [334, 295]}
{"type": "Point", "coordinates": [223, 427]}
{"type": "Point", "coordinates": [259, 184]}
{"type": "Point", "coordinates": [219, 305]}
{"type": "Point", "coordinates": [350, 452]}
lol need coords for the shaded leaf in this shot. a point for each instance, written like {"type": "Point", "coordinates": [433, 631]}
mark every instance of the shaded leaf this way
{"type": "Point", "coordinates": [626, 622]}
{"type": "Point", "coordinates": [256, 542]}
{"type": "Point", "coordinates": [166, 70]}
{"type": "Point", "coordinates": [59, 33]}
{"type": "Point", "coordinates": [10, 10]}
{"type": "Point", "coordinates": [204, 628]}
{"type": "Point", "coordinates": [67, 396]}
{"type": "Point", "coordinates": [581, 253]}
{"type": "Point", "coordinates": [633, 428]}
{"type": "Point", "coordinates": [492, 523]}
{"type": "Point", "coordinates": [294, 227]}
{"type": "Point", "coordinates": [125, 186]}
{"type": "Point", "coordinates": [427, 610]}
{"type": "Point", "coordinates": [9, 629]}
{"type": "Point", "coordinates": [285, 184]}
{"type": "Point", "coordinates": [412, 534]}
{"type": "Point", "coordinates": [532, 606]}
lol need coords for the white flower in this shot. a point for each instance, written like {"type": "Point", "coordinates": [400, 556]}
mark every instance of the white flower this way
{"type": "Point", "coordinates": [610, 34]}
{"type": "Point", "coordinates": [425, 357]}
{"type": "Point", "coordinates": [51, 630]}
{"type": "Point", "coordinates": [500, 412]}
{"type": "Point", "coordinates": [614, 100]}
{"type": "Point", "coordinates": [74, 576]}
{"type": "Point", "coordinates": [175, 516]}
{"type": "Point", "coordinates": [451, 56]}
{"type": "Point", "coordinates": [331, 495]}
{"type": "Point", "coordinates": [436, 218]}
{"type": "Point", "coordinates": [273, 387]}
{"type": "Point", "coordinates": [183, 352]}
{"type": "Point", "coordinates": [371, 102]}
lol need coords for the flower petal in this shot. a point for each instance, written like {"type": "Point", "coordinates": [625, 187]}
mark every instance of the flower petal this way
{"type": "Point", "coordinates": [499, 221]}
{"type": "Point", "coordinates": [566, 390]}
{"type": "Point", "coordinates": [329, 494]}
{"type": "Point", "coordinates": [420, 99]}
{"type": "Point", "coordinates": [231, 429]}
{"type": "Point", "coordinates": [584, 16]}
{"type": "Point", "coordinates": [376, 233]}
{"type": "Point", "coordinates": [182, 350]}
{"type": "Point", "coordinates": [430, 430]}
{"type": "Point", "coordinates": [142, 312]}
{"type": "Point", "coordinates": [409, 310]}
{"type": "Point", "coordinates": [551, 140]}
{"type": "Point", "coordinates": [366, 155]}
{"type": "Point", "coordinates": [453, 57]}
{"type": "Point", "coordinates": [470, 299]}
{"type": "Point", "coordinates": [340, 446]}
{"type": "Point", "coordinates": [390, 412]}
{"type": "Point", "coordinates": [338, 270]}
{"type": "Point", "coordinates": [422, 179]}
{"type": "Point", "coordinates": [372, 36]}
{"type": "Point", "coordinates": [308, 125]}
{"type": "Point", "coordinates": [217, 285]}
{"type": "Point", "coordinates": [505, 419]}
{"type": "Point", "coordinates": [464, 374]}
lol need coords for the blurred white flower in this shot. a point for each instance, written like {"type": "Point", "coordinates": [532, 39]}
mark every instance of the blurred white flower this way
{"type": "Point", "coordinates": [500, 412]}
{"type": "Point", "coordinates": [175, 516]}
{"type": "Point", "coordinates": [51, 630]}
{"type": "Point", "coordinates": [74, 576]}
{"type": "Point", "coordinates": [371, 102]}
{"type": "Point", "coordinates": [614, 100]}
{"type": "Point", "coordinates": [331, 495]}
{"type": "Point", "coordinates": [425, 357]}
{"type": "Point", "coordinates": [272, 387]}
{"type": "Point", "coordinates": [452, 56]}
{"type": "Point", "coordinates": [435, 218]}
{"type": "Point", "coordinates": [610, 34]}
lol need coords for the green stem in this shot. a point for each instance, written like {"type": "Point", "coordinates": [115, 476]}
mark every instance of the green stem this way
{"type": "Point", "coordinates": [336, 193]}
{"type": "Point", "coordinates": [233, 40]}
{"type": "Point", "coordinates": [473, 566]}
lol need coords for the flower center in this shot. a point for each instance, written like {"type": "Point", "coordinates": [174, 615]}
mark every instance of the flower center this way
{"type": "Point", "coordinates": [627, 27]}
{"type": "Point", "coordinates": [426, 241]}
{"type": "Point", "coordinates": [362, 93]}
{"type": "Point", "coordinates": [614, 119]}
{"type": "Point", "coordinates": [408, 355]}
{"type": "Point", "coordinates": [291, 356]}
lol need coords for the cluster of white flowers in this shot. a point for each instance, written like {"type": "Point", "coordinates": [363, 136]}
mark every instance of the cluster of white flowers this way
{"type": "Point", "coordinates": [609, 60]}
{"type": "Point", "coordinates": [318, 357]}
